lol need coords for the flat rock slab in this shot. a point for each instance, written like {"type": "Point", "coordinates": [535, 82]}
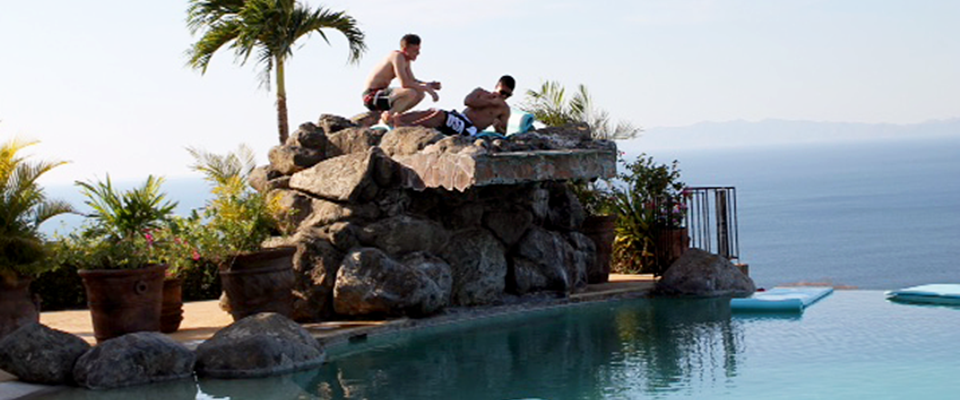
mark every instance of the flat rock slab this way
{"type": "Point", "coordinates": [459, 171]}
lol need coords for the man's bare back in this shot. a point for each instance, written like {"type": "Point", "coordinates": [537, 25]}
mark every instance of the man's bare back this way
{"type": "Point", "coordinates": [487, 108]}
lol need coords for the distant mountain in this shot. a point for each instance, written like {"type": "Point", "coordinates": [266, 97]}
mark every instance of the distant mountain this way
{"type": "Point", "coordinates": [781, 132]}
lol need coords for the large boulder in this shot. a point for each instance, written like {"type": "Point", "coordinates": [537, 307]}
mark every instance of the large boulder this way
{"type": "Point", "coordinates": [403, 234]}
{"type": "Point", "coordinates": [134, 359]}
{"type": "Point", "coordinates": [479, 267]}
{"type": "Point", "coordinates": [38, 354]}
{"type": "Point", "coordinates": [409, 140]}
{"type": "Point", "coordinates": [315, 265]}
{"type": "Point", "coordinates": [288, 159]}
{"type": "Point", "coordinates": [305, 211]}
{"type": "Point", "coordinates": [702, 274]}
{"type": "Point", "coordinates": [545, 261]}
{"type": "Point", "coordinates": [331, 124]}
{"type": "Point", "coordinates": [260, 345]}
{"type": "Point", "coordinates": [309, 136]}
{"type": "Point", "coordinates": [352, 140]}
{"type": "Point", "coordinates": [370, 282]}
{"type": "Point", "coordinates": [584, 258]}
{"type": "Point", "coordinates": [366, 119]}
{"type": "Point", "coordinates": [347, 178]}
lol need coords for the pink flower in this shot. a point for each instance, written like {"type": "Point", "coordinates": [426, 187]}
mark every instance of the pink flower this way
{"type": "Point", "coordinates": [196, 256]}
{"type": "Point", "coordinates": [149, 238]}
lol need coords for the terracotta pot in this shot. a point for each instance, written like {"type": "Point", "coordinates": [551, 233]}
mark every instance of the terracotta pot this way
{"type": "Point", "coordinates": [602, 230]}
{"type": "Point", "coordinates": [17, 306]}
{"type": "Point", "coordinates": [671, 243]}
{"type": "Point", "coordinates": [171, 312]}
{"type": "Point", "coordinates": [125, 300]}
{"type": "Point", "coordinates": [259, 282]}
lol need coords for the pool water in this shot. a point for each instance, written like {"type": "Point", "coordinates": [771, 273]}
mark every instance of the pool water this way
{"type": "Point", "coordinates": [852, 344]}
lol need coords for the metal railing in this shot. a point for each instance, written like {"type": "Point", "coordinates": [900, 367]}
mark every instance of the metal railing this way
{"type": "Point", "coordinates": [712, 220]}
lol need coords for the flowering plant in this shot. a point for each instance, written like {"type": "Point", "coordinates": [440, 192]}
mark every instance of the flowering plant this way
{"type": "Point", "coordinates": [87, 249]}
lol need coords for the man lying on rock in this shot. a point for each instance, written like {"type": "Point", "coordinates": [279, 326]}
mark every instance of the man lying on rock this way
{"type": "Point", "coordinates": [483, 109]}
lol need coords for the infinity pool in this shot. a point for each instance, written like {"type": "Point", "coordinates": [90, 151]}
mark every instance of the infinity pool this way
{"type": "Point", "coordinates": [852, 344]}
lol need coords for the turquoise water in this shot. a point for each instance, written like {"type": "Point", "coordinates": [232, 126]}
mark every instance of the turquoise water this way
{"type": "Point", "coordinates": [852, 344]}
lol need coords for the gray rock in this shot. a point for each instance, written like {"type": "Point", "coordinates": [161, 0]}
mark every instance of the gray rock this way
{"type": "Point", "coordinates": [310, 137]}
{"type": "Point", "coordinates": [260, 176]}
{"type": "Point", "coordinates": [291, 159]}
{"type": "Point", "coordinates": [584, 258]}
{"type": "Point", "coordinates": [305, 211]}
{"type": "Point", "coordinates": [38, 354]}
{"type": "Point", "coordinates": [134, 359]}
{"type": "Point", "coordinates": [393, 202]}
{"type": "Point", "coordinates": [352, 140]}
{"type": "Point", "coordinates": [408, 140]}
{"type": "Point", "coordinates": [367, 119]}
{"type": "Point", "coordinates": [508, 225]}
{"type": "Point", "coordinates": [540, 205]}
{"type": "Point", "coordinates": [260, 345]}
{"type": "Point", "coordinates": [544, 261]}
{"type": "Point", "coordinates": [702, 274]}
{"type": "Point", "coordinates": [331, 124]}
{"type": "Point", "coordinates": [348, 178]}
{"type": "Point", "coordinates": [343, 235]}
{"type": "Point", "coordinates": [315, 265]}
{"type": "Point", "coordinates": [404, 234]}
{"type": "Point", "coordinates": [565, 211]}
{"type": "Point", "coordinates": [479, 267]}
{"type": "Point", "coordinates": [370, 282]}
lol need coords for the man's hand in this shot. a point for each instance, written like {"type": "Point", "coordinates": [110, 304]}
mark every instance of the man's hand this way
{"type": "Point", "coordinates": [433, 94]}
{"type": "Point", "coordinates": [434, 85]}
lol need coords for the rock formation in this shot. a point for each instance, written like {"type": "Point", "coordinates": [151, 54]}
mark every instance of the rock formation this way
{"type": "Point", "coordinates": [409, 221]}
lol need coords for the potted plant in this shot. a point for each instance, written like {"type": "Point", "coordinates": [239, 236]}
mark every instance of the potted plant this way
{"type": "Point", "coordinates": [176, 249]}
{"type": "Point", "coordinates": [23, 207]}
{"type": "Point", "coordinates": [599, 225]}
{"type": "Point", "coordinates": [117, 257]}
{"type": "Point", "coordinates": [650, 201]}
{"type": "Point", "coordinates": [236, 221]}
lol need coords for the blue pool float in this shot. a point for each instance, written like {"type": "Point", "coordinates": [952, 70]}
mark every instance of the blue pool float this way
{"type": "Point", "coordinates": [942, 293]}
{"type": "Point", "coordinates": [780, 299]}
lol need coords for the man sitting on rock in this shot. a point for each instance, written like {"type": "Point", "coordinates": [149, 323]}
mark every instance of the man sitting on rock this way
{"type": "Point", "coordinates": [394, 101]}
{"type": "Point", "coordinates": [483, 109]}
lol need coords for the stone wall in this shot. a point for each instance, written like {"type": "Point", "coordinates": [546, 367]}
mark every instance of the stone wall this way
{"type": "Point", "coordinates": [409, 221]}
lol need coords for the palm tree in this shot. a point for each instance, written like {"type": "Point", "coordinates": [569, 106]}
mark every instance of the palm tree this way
{"type": "Point", "coordinates": [551, 106]}
{"type": "Point", "coordinates": [269, 27]}
{"type": "Point", "coordinates": [23, 207]}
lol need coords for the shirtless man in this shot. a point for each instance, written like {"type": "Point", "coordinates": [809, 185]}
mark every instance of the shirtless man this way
{"type": "Point", "coordinates": [379, 96]}
{"type": "Point", "coordinates": [483, 109]}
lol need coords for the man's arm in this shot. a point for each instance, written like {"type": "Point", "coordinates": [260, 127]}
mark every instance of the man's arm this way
{"type": "Point", "coordinates": [500, 125]}
{"type": "Point", "coordinates": [401, 67]}
{"type": "Point", "coordinates": [480, 98]}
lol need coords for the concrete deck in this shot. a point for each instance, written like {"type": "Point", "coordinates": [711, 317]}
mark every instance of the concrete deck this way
{"type": "Point", "coordinates": [201, 320]}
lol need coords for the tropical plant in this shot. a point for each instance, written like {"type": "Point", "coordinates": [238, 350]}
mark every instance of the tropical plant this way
{"type": "Point", "coordinates": [238, 219]}
{"type": "Point", "coordinates": [269, 27]}
{"type": "Point", "coordinates": [119, 232]}
{"type": "Point", "coordinates": [551, 106]}
{"type": "Point", "coordinates": [131, 213]}
{"type": "Point", "coordinates": [648, 198]}
{"type": "Point", "coordinates": [23, 207]}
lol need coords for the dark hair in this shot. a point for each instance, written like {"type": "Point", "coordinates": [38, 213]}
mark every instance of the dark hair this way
{"type": "Point", "coordinates": [409, 39]}
{"type": "Point", "coordinates": [508, 81]}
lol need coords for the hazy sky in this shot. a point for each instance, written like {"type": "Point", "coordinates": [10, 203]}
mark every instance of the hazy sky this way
{"type": "Point", "coordinates": [102, 83]}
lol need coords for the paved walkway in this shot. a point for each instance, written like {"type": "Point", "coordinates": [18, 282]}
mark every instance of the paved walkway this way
{"type": "Point", "coordinates": [202, 319]}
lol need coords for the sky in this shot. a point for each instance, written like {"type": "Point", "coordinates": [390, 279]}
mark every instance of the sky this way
{"type": "Point", "coordinates": [103, 83]}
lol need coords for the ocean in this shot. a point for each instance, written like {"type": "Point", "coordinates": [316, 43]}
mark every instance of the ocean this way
{"type": "Point", "coordinates": [871, 215]}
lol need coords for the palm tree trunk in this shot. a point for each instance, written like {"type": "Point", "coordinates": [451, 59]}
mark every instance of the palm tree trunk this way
{"type": "Point", "coordinates": [281, 103]}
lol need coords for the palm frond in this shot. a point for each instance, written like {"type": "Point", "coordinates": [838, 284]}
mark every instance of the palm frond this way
{"type": "Point", "coordinates": [221, 169]}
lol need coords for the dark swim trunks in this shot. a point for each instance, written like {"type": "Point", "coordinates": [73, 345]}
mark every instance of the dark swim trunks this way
{"type": "Point", "coordinates": [377, 99]}
{"type": "Point", "coordinates": [457, 124]}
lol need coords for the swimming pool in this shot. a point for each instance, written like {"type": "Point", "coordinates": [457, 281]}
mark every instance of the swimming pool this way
{"type": "Point", "coordinates": [852, 344]}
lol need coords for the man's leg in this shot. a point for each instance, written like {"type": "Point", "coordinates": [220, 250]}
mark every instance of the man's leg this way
{"type": "Point", "coordinates": [429, 119]}
{"type": "Point", "coordinates": [401, 100]}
